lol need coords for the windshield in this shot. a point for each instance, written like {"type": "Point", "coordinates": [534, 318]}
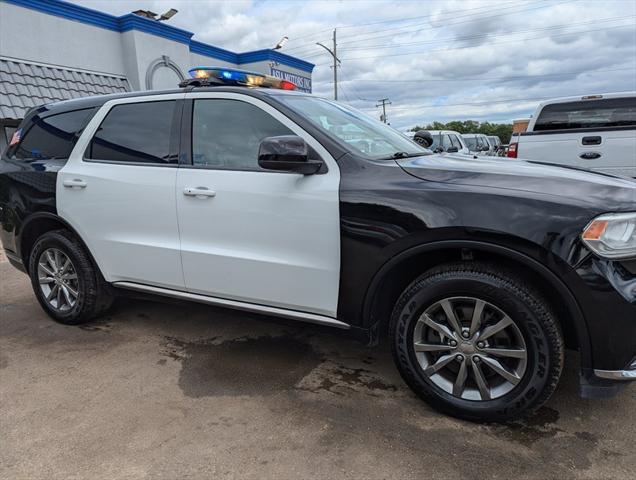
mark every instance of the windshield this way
{"type": "Point", "coordinates": [362, 133]}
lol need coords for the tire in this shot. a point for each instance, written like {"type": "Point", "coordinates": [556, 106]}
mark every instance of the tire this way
{"type": "Point", "coordinates": [86, 296]}
{"type": "Point", "coordinates": [482, 391]}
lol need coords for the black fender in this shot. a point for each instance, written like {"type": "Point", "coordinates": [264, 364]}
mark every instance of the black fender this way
{"type": "Point", "coordinates": [569, 299]}
{"type": "Point", "coordinates": [30, 222]}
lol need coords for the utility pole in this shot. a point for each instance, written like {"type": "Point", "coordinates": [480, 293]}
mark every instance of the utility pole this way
{"type": "Point", "coordinates": [383, 103]}
{"type": "Point", "coordinates": [336, 61]}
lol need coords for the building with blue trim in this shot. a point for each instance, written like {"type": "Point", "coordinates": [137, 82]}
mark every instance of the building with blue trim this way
{"type": "Point", "coordinates": [54, 50]}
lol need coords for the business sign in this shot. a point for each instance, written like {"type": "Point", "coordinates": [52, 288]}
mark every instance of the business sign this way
{"type": "Point", "coordinates": [303, 83]}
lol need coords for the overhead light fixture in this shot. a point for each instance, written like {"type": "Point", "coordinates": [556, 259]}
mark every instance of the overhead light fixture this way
{"type": "Point", "coordinates": [153, 16]}
{"type": "Point", "coordinates": [281, 43]}
{"type": "Point", "coordinates": [168, 15]}
{"type": "Point", "coordinates": [146, 14]}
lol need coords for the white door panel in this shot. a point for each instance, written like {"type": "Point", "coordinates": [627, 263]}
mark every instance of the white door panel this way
{"type": "Point", "coordinates": [268, 238]}
{"type": "Point", "coordinates": [125, 213]}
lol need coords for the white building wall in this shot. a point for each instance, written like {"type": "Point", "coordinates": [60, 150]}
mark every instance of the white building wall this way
{"type": "Point", "coordinates": [34, 36]}
{"type": "Point", "coordinates": [197, 59]}
{"type": "Point", "coordinates": [38, 37]}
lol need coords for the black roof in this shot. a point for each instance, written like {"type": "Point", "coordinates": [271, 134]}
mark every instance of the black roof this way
{"type": "Point", "coordinates": [99, 100]}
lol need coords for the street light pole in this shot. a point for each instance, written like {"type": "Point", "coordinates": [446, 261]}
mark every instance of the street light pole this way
{"type": "Point", "coordinates": [336, 62]}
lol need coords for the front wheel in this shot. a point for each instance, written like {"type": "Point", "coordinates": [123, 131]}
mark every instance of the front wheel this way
{"type": "Point", "coordinates": [474, 341]}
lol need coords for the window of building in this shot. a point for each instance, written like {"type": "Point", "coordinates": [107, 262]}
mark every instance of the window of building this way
{"type": "Point", "coordinates": [226, 134]}
{"type": "Point", "coordinates": [135, 133]}
{"type": "Point", "coordinates": [608, 112]}
{"type": "Point", "coordinates": [50, 137]}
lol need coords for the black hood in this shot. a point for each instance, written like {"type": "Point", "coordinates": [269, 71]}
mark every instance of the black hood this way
{"type": "Point", "coordinates": [579, 186]}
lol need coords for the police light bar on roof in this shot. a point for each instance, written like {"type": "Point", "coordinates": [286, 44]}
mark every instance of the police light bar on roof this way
{"type": "Point", "coordinates": [231, 76]}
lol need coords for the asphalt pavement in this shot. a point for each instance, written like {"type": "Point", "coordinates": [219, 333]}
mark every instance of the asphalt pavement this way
{"type": "Point", "coordinates": [167, 390]}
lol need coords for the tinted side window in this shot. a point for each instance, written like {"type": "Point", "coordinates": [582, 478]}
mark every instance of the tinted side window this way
{"type": "Point", "coordinates": [456, 142]}
{"type": "Point", "coordinates": [50, 137]}
{"type": "Point", "coordinates": [609, 112]}
{"type": "Point", "coordinates": [135, 133]}
{"type": "Point", "coordinates": [437, 141]}
{"type": "Point", "coordinates": [226, 134]}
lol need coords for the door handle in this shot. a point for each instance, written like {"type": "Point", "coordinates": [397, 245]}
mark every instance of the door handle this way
{"type": "Point", "coordinates": [201, 192]}
{"type": "Point", "coordinates": [75, 183]}
{"type": "Point", "coordinates": [595, 140]}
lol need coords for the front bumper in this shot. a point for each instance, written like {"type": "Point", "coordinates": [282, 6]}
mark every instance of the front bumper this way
{"type": "Point", "coordinates": [599, 383]}
{"type": "Point", "coordinates": [628, 374]}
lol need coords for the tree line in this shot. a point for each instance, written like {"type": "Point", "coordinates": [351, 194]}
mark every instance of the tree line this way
{"type": "Point", "coordinates": [501, 130]}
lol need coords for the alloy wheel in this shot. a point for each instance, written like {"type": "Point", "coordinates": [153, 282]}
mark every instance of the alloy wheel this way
{"type": "Point", "coordinates": [58, 279]}
{"type": "Point", "coordinates": [470, 348]}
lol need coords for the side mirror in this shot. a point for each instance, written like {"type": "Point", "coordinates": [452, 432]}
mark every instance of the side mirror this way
{"type": "Point", "coordinates": [439, 150]}
{"type": "Point", "coordinates": [452, 150]}
{"type": "Point", "coordinates": [287, 153]}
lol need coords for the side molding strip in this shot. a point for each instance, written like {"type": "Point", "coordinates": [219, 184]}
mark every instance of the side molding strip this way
{"type": "Point", "coordinates": [222, 302]}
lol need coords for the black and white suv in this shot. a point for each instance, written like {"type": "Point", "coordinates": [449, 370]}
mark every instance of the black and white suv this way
{"type": "Point", "coordinates": [282, 203]}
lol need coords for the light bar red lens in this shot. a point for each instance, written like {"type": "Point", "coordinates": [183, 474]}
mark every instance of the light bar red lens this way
{"type": "Point", "coordinates": [285, 85]}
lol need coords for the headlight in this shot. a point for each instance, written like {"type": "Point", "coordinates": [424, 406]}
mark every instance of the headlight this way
{"type": "Point", "coordinates": [612, 235]}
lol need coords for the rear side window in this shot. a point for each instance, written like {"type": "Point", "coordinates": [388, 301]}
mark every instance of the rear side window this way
{"type": "Point", "coordinates": [609, 112]}
{"type": "Point", "coordinates": [49, 137]}
{"type": "Point", "coordinates": [135, 133]}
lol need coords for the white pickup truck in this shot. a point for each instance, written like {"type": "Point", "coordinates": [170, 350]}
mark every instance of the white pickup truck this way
{"type": "Point", "coordinates": [597, 132]}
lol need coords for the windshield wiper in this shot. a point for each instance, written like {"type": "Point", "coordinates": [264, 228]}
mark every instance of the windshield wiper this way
{"type": "Point", "coordinates": [397, 155]}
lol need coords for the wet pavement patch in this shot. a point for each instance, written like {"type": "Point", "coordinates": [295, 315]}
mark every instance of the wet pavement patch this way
{"type": "Point", "coordinates": [529, 430]}
{"type": "Point", "coordinates": [244, 366]}
{"type": "Point", "coordinates": [338, 379]}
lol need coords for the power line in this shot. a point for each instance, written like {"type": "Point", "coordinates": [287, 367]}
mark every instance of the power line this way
{"type": "Point", "coordinates": [503, 79]}
{"type": "Point", "coordinates": [357, 94]}
{"type": "Point", "coordinates": [488, 35]}
{"type": "Point", "coordinates": [413, 107]}
{"type": "Point", "coordinates": [427, 52]}
{"type": "Point", "coordinates": [374, 36]}
{"type": "Point", "coordinates": [358, 25]}
{"type": "Point", "coordinates": [470, 18]}
{"type": "Point", "coordinates": [452, 12]}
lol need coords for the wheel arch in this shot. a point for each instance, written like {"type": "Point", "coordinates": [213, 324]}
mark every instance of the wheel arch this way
{"type": "Point", "coordinates": [393, 277]}
{"type": "Point", "coordinates": [36, 225]}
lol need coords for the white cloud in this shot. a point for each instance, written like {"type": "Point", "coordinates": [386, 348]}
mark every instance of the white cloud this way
{"type": "Point", "coordinates": [463, 52]}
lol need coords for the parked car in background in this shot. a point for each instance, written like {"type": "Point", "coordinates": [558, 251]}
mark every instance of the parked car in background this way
{"type": "Point", "coordinates": [448, 141]}
{"type": "Point", "coordinates": [597, 132]}
{"type": "Point", "coordinates": [495, 143]}
{"type": "Point", "coordinates": [477, 143]}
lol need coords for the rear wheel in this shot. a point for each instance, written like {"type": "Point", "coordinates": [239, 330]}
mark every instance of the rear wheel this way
{"type": "Point", "coordinates": [476, 342]}
{"type": "Point", "coordinates": [66, 283]}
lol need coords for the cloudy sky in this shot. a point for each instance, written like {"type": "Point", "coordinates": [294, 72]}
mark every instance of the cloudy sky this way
{"type": "Point", "coordinates": [434, 59]}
